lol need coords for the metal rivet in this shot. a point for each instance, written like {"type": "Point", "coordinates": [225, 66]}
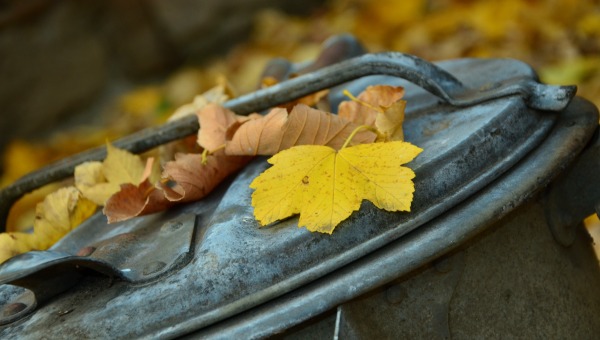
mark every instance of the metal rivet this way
{"type": "Point", "coordinates": [171, 226]}
{"type": "Point", "coordinates": [442, 265]}
{"type": "Point", "coordinates": [13, 309]}
{"type": "Point", "coordinates": [153, 267]}
{"type": "Point", "coordinates": [395, 294]}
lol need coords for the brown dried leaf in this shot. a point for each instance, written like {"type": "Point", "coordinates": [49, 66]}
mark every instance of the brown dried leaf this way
{"type": "Point", "coordinates": [279, 131]}
{"type": "Point", "coordinates": [389, 122]}
{"type": "Point", "coordinates": [373, 100]}
{"type": "Point", "coordinates": [190, 180]}
{"type": "Point", "coordinates": [135, 200]}
{"type": "Point", "coordinates": [215, 123]}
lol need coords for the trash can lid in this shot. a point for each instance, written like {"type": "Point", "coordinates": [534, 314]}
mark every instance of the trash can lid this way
{"type": "Point", "coordinates": [201, 263]}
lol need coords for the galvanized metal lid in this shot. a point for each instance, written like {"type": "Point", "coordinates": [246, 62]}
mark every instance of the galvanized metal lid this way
{"type": "Point", "coordinates": [197, 265]}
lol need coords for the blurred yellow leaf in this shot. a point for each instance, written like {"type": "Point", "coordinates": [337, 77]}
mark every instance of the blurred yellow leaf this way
{"type": "Point", "coordinates": [142, 102]}
{"type": "Point", "coordinates": [325, 186]}
{"type": "Point", "coordinates": [217, 95]}
{"type": "Point", "coordinates": [90, 180]}
{"type": "Point", "coordinates": [12, 244]}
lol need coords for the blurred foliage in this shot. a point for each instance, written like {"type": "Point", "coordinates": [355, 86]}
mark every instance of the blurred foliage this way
{"type": "Point", "coordinates": [559, 38]}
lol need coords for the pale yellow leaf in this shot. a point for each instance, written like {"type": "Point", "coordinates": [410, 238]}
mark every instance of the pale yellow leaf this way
{"type": "Point", "coordinates": [59, 213]}
{"type": "Point", "coordinates": [121, 166]}
{"type": "Point", "coordinates": [12, 244]}
{"type": "Point", "coordinates": [90, 180]}
{"type": "Point", "coordinates": [98, 181]}
{"type": "Point", "coordinates": [389, 122]}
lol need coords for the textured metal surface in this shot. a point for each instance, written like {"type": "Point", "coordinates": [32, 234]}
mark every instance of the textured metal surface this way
{"type": "Point", "coordinates": [143, 253]}
{"type": "Point", "coordinates": [432, 240]}
{"type": "Point", "coordinates": [238, 265]}
{"type": "Point", "coordinates": [429, 76]}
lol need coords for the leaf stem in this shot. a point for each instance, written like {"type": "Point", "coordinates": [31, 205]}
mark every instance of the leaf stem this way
{"type": "Point", "coordinates": [359, 128]}
{"type": "Point", "coordinates": [361, 102]}
{"type": "Point", "coordinates": [206, 153]}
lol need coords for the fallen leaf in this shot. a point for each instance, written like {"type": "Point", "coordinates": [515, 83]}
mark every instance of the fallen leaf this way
{"type": "Point", "coordinates": [389, 122]}
{"type": "Point", "coordinates": [90, 180]}
{"type": "Point", "coordinates": [187, 179]}
{"type": "Point", "coordinates": [216, 95]}
{"type": "Point", "coordinates": [211, 98]}
{"type": "Point", "coordinates": [325, 186]}
{"type": "Point", "coordinates": [121, 166]}
{"type": "Point", "coordinates": [216, 122]}
{"type": "Point", "coordinates": [98, 181]}
{"type": "Point", "coordinates": [135, 200]}
{"type": "Point", "coordinates": [12, 244]}
{"type": "Point", "coordinates": [59, 213]}
{"type": "Point", "coordinates": [379, 106]}
{"type": "Point", "coordinates": [278, 131]}
{"type": "Point", "coordinates": [363, 109]}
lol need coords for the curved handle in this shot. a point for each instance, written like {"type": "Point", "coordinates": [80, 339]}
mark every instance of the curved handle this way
{"type": "Point", "coordinates": [416, 70]}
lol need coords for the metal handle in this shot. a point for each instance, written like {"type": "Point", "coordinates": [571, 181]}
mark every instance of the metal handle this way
{"type": "Point", "coordinates": [416, 70]}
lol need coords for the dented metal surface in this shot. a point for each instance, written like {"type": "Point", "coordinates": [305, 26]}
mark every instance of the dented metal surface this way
{"type": "Point", "coordinates": [142, 253]}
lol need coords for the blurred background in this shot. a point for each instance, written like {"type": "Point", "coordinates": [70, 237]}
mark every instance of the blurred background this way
{"type": "Point", "coordinates": [75, 73]}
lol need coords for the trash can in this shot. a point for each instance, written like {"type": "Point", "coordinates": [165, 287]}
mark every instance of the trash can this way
{"type": "Point", "coordinates": [493, 245]}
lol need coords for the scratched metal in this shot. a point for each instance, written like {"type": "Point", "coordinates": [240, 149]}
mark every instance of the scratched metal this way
{"type": "Point", "coordinates": [238, 265]}
{"type": "Point", "coordinates": [429, 242]}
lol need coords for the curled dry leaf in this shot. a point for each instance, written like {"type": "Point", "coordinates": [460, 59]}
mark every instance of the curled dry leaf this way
{"type": "Point", "coordinates": [187, 179]}
{"type": "Point", "coordinates": [135, 200]}
{"type": "Point", "coordinates": [97, 181]}
{"type": "Point", "coordinates": [217, 95]}
{"type": "Point", "coordinates": [216, 122]}
{"type": "Point", "coordinates": [389, 122]}
{"type": "Point", "coordinates": [278, 131]}
{"type": "Point", "coordinates": [380, 106]}
{"type": "Point", "coordinates": [90, 180]}
{"type": "Point", "coordinates": [59, 213]}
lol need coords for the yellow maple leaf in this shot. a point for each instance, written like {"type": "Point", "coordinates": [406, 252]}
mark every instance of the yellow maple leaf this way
{"type": "Point", "coordinates": [325, 186]}
{"type": "Point", "coordinates": [97, 181]}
